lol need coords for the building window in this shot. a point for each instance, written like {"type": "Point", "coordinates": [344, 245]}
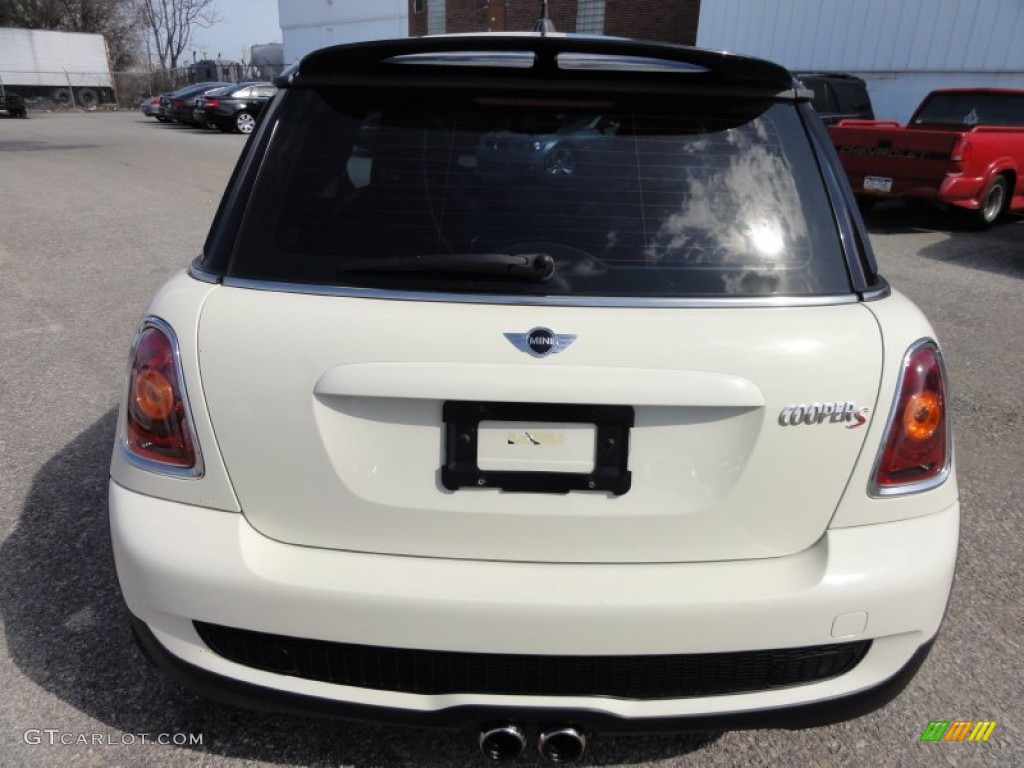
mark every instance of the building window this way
{"type": "Point", "coordinates": [418, 6]}
{"type": "Point", "coordinates": [436, 13]}
{"type": "Point", "coordinates": [590, 17]}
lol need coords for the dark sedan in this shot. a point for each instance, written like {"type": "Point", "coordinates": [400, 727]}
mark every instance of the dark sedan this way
{"type": "Point", "coordinates": [199, 116]}
{"type": "Point", "coordinates": [178, 105]}
{"type": "Point", "coordinates": [12, 103]}
{"type": "Point", "coordinates": [236, 108]}
{"type": "Point", "coordinates": [838, 96]}
{"type": "Point", "coordinates": [553, 146]}
{"type": "Point", "coordinates": [151, 107]}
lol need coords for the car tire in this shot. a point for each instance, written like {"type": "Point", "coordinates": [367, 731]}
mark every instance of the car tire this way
{"type": "Point", "coordinates": [560, 161]}
{"type": "Point", "coordinates": [87, 98]}
{"type": "Point", "coordinates": [993, 203]}
{"type": "Point", "coordinates": [245, 122]}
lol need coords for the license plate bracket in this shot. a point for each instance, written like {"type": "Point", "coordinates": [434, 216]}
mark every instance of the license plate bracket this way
{"type": "Point", "coordinates": [611, 447]}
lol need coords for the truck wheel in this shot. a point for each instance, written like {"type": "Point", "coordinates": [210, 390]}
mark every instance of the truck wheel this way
{"type": "Point", "coordinates": [992, 205]}
{"type": "Point", "coordinates": [62, 96]}
{"type": "Point", "coordinates": [87, 97]}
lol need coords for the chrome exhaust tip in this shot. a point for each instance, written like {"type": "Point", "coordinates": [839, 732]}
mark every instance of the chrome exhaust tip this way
{"type": "Point", "coordinates": [562, 745]}
{"type": "Point", "coordinates": [502, 742]}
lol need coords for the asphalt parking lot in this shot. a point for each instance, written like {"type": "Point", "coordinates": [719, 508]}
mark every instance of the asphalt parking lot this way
{"type": "Point", "coordinates": [97, 210]}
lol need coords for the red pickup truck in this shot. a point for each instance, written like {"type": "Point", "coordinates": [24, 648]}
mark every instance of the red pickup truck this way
{"type": "Point", "coordinates": [963, 147]}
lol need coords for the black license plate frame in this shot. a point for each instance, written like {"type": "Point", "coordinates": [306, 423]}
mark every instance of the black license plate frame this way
{"type": "Point", "coordinates": [613, 423]}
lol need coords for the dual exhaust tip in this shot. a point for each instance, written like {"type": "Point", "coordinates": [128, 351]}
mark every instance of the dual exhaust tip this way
{"type": "Point", "coordinates": [560, 744]}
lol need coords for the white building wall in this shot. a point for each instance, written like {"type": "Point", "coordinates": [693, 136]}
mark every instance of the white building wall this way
{"type": "Point", "coordinates": [307, 25]}
{"type": "Point", "coordinates": [902, 48]}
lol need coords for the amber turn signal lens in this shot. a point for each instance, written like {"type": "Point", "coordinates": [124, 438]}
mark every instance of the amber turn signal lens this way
{"type": "Point", "coordinates": [916, 447]}
{"type": "Point", "coordinates": [153, 395]}
{"type": "Point", "coordinates": [922, 416]}
{"type": "Point", "coordinates": [156, 425]}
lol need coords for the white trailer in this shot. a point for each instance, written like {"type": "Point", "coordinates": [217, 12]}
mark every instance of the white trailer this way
{"type": "Point", "coordinates": [67, 67]}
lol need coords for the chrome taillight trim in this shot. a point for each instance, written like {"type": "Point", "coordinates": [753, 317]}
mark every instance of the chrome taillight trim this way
{"type": "Point", "coordinates": [876, 491]}
{"type": "Point", "coordinates": [197, 470]}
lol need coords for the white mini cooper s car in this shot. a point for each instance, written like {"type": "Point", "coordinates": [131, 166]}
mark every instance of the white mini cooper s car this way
{"type": "Point", "coordinates": [638, 439]}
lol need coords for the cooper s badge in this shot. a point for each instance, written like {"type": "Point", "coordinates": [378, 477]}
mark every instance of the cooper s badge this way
{"type": "Point", "coordinates": [846, 413]}
{"type": "Point", "coordinates": [540, 342]}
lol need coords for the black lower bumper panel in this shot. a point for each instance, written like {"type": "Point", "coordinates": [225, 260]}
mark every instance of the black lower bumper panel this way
{"type": "Point", "coordinates": [248, 695]}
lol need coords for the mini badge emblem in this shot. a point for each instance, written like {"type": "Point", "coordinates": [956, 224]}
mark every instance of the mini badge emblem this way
{"type": "Point", "coordinates": [540, 342]}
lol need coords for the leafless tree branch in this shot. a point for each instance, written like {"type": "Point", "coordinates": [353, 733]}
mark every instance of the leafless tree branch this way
{"type": "Point", "coordinates": [170, 23]}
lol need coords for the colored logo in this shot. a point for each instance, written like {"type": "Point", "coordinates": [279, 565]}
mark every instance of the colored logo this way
{"type": "Point", "coordinates": [958, 730]}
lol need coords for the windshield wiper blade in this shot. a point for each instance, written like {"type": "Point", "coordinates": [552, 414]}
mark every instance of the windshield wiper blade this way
{"type": "Point", "coordinates": [521, 266]}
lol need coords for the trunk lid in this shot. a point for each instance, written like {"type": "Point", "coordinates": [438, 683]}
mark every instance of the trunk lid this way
{"type": "Point", "coordinates": [911, 158]}
{"type": "Point", "coordinates": [330, 415]}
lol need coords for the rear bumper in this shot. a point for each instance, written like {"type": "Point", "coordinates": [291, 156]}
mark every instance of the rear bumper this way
{"type": "Point", "coordinates": [952, 189]}
{"type": "Point", "coordinates": [887, 582]}
{"type": "Point", "coordinates": [962, 191]}
{"type": "Point", "coordinates": [239, 693]}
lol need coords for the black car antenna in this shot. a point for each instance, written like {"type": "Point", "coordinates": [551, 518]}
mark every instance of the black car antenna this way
{"type": "Point", "coordinates": [543, 24]}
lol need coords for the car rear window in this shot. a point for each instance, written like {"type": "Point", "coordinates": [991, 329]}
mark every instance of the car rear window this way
{"type": "Point", "coordinates": [722, 198]}
{"type": "Point", "coordinates": [972, 108]}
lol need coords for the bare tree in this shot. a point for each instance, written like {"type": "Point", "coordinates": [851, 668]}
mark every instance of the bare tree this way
{"type": "Point", "coordinates": [171, 22]}
{"type": "Point", "coordinates": [116, 20]}
{"type": "Point", "coordinates": [33, 14]}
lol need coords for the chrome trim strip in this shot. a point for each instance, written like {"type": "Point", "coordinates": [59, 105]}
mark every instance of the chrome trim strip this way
{"type": "Point", "coordinates": [149, 465]}
{"type": "Point", "coordinates": [877, 293]}
{"type": "Point", "coordinates": [874, 490]}
{"type": "Point", "coordinates": [197, 272]}
{"type": "Point", "coordinates": [197, 470]}
{"type": "Point", "coordinates": [643, 302]}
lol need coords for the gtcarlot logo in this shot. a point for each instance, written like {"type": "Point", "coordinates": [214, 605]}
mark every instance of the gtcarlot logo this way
{"type": "Point", "coordinates": [56, 737]}
{"type": "Point", "coordinates": [958, 730]}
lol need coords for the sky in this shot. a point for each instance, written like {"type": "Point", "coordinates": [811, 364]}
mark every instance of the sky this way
{"type": "Point", "coordinates": [245, 22]}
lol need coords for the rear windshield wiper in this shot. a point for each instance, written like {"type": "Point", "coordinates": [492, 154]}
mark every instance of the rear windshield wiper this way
{"type": "Point", "coordinates": [520, 266]}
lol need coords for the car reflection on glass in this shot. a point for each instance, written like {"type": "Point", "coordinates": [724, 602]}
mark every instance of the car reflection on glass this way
{"type": "Point", "coordinates": [554, 147]}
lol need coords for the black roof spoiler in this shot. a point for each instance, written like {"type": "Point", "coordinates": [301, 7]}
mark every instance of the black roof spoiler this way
{"type": "Point", "coordinates": [531, 60]}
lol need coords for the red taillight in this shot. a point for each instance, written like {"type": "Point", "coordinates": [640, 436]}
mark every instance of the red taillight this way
{"type": "Point", "coordinates": [916, 447]}
{"type": "Point", "coordinates": [961, 151]}
{"type": "Point", "coordinates": [212, 103]}
{"type": "Point", "coordinates": [157, 426]}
